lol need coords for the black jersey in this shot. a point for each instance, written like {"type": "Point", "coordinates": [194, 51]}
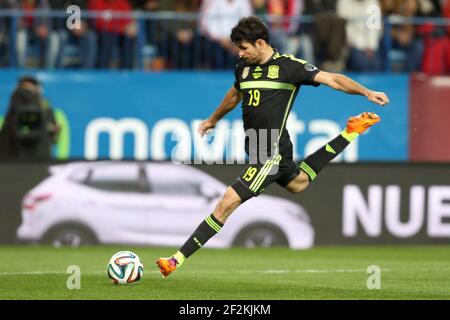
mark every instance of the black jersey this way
{"type": "Point", "coordinates": [269, 91]}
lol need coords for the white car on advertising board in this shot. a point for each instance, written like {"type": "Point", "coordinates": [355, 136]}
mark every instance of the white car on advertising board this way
{"type": "Point", "coordinates": [152, 203]}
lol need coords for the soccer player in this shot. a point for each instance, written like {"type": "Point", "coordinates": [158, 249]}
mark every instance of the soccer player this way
{"type": "Point", "coordinates": [267, 83]}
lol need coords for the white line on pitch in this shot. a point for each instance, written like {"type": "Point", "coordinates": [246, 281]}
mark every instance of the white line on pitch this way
{"type": "Point", "coordinates": [196, 271]}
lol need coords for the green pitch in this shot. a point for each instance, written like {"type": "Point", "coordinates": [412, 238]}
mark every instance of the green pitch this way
{"type": "Point", "coordinates": [407, 272]}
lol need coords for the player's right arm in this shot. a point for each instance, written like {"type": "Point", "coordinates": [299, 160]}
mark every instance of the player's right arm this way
{"type": "Point", "coordinates": [229, 102]}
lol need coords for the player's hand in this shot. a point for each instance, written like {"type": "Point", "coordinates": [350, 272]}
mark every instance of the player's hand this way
{"type": "Point", "coordinates": [205, 126]}
{"type": "Point", "coordinates": [379, 98]}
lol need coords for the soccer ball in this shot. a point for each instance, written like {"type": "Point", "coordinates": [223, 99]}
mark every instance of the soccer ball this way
{"type": "Point", "coordinates": [124, 267]}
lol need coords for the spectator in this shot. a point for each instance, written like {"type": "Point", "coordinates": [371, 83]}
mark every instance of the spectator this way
{"type": "Point", "coordinates": [284, 26]}
{"type": "Point", "coordinates": [430, 8]}
{"type": "Point", "coordinates": [36, 32]}
{"type": "Point", "coordinates": [155, 50]}
{"type": "Point", "coordinates": [446, 13]}
{"type": "Point", "coordinates": [436, 57]}
{"type": "Point", "coordinates": [386, 6]}
{"type": "Point", "coordinates": [30, 128]}
{"type": "Point", "coordinates": [5, 27]}
{"type": "Point", "coordinates": [329, 35]}
{"type": "Point", "coordinates": [288, 34]}
{"type": "Point", "coordinates": [217, 18]}
{"type": "Point", "coordinates": [182, 35]}
{"type": "Point", "coordinates": [259, 7]}
{"type": "Point", "coordinates": [117, 35]}
{"type": "Point", "coordinates": [362, 40]}
{"type": "Point", "coordinates": [38, 36]}
{"type": "Point", "coordinates": [405, 37]}
{"type": "Point", "coordinates": [78, 43]}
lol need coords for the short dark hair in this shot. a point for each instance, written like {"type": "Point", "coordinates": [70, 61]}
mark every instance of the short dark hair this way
{"type": "Point", "coordinates": [250, 29]}
{"type": "Point", "coordinates": [29, 78]}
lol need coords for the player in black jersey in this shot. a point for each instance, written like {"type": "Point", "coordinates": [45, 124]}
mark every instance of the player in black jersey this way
{"type": "Point", "coordinates": [267, 83]}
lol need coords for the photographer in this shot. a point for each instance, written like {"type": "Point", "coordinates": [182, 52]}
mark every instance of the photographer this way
{"type": "Point", "coordinates": [30, 128]}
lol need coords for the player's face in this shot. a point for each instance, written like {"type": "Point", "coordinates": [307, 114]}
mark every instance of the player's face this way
{"type": "Point", "coordinates": [251, 53]}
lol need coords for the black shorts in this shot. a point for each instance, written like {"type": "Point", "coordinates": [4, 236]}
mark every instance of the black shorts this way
{"type": "Point", "coordinates": [255, 178]}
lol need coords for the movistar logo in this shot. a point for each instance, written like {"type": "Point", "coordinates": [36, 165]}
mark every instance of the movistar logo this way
{"type": "Point", "coordinates": [150, 142]}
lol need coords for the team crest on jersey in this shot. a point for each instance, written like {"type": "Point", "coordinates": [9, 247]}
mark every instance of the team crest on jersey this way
{"type": "Point", "coordinates": [245, 72]}
{"type": "Point", "coordinates": [274, 72]}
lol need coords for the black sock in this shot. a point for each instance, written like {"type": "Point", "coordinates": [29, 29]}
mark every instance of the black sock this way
{"type": "Point", "coordinates": [319, 159]}
{"type": "Point", "coordinates": [208, 228]}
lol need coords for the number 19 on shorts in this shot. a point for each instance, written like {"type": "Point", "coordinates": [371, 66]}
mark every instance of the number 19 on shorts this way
{"type": "Point", "coordinates": [250, 173]}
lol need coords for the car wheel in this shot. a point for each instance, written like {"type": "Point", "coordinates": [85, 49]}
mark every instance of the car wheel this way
{"type": "Point", "coordinates": [261, 236]}
{"type": "Point", "coordinates": [70, 236]}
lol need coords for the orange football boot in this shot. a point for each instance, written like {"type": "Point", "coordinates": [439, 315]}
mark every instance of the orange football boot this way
{"type": "Point", "coordinates": [167, 265]}
{"type": "Point", "coordinates": [362, 122]}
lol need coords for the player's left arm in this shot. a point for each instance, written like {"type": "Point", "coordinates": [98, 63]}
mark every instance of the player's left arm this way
{"type": "Point", "coordinates": [345, 84]}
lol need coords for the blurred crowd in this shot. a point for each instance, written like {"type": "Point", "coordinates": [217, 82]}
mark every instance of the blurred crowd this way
{"type": "Point", "coordinates": [336, 35]}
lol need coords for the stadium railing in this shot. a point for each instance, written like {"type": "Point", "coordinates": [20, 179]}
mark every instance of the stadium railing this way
{"type": "Point", "coordinates": [155, 41]}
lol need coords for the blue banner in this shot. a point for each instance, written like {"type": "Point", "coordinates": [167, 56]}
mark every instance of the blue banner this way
{"type": "Point", "coordinates": [135, 115]}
